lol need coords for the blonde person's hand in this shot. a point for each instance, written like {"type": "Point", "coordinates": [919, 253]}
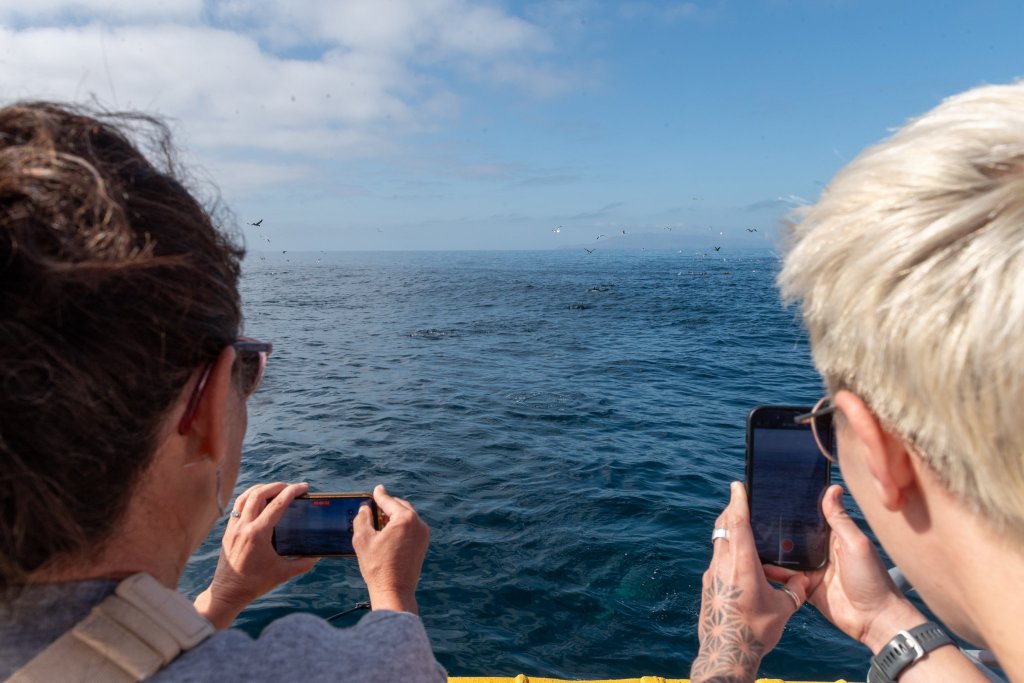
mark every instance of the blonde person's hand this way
{"type": "Point", "coordinates": [741, 616]}
{"type": "Point", "coordinates": [853, 590]}
{"type": "Point", "coordinates": [248, 565]}
{"type": "Point", "coordinates": [390, 560]}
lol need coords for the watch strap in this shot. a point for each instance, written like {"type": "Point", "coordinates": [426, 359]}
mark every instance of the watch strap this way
{"type": "Point", "coordinates": [904, 649]}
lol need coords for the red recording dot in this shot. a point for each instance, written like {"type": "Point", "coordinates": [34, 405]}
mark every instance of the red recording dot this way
{"type": "Point", "coordinates": [787, 545]}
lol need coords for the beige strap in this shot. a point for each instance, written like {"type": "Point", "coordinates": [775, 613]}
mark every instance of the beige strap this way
{"type": "Point", "coordinates": [126, 638]}
{"type": "Point", "coordinates": [168, 608]}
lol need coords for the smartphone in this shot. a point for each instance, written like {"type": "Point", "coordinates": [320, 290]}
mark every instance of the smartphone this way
{"type": "Point", "coordinates": [786, 480]}
{"type": "Point", "coordinates": [320, 524]}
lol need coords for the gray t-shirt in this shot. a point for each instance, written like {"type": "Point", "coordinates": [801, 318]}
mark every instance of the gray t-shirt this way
{"type": "Point", "coordinates": [383, 647]}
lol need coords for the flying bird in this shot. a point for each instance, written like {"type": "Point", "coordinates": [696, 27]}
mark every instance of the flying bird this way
{"type": "Point", "coordinates": [623, 231]}
{"type": "Point", "coordinates": [556, 229]}
{"type": "Point", "coordinates": [589, 251]}
{"type": "Point", "coordinates": [668, 228]}
{"type": "Point", "coordinates": [600, 236]}
{"type": "Point", "coordinates": [751, 229]}
{"type": "Point", "coordinates": [718, 249]}
{"type": "Point", "coordinates": [257, 223]}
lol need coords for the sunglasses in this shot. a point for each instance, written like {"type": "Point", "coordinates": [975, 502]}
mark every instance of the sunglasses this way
{"type": "Point", "coordinates": [823, 427]}
{"type": "Point", "coordinates": [250, 363]}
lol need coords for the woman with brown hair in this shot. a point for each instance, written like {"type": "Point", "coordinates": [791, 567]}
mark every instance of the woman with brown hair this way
{"type": "Point", "coordinates": [123, 381]}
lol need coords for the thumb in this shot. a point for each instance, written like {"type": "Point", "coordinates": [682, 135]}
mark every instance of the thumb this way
{"type": "Point", "coordinates": [363, 523]}
{"type": "Point", "coordinates": [299, 565]}
{"type": "Point", "coordinates": [838, 518]}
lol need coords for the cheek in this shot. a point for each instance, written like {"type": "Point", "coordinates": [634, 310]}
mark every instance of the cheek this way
{"type": "Point", "coordinates": [236, 431]}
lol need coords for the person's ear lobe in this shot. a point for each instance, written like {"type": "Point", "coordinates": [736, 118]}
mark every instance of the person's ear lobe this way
{"type": "Point", "coordinates": [209, 426]}
{"type": "Point", "coordinates": [884, 453]}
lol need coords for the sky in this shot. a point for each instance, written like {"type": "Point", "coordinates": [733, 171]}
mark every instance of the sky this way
{"type": "Point", "coordinates": [456, 124]}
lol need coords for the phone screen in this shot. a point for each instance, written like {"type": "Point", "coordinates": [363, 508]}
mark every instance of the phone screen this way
{"type": "Point", "coordinates": [320, 524]}
{"type": "Point", "coordinates": [786, 480]}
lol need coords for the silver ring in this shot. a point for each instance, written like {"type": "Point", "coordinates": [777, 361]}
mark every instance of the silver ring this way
{"type": "Point", "coordinates": [236, 514]}
{"type": "Point", "coordinates": [719, 533]}
{"type": "Point", "coordinates": [790, 593]}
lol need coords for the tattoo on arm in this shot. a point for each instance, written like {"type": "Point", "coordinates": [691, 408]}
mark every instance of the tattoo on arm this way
{"type": "Point", "coordinates": [729, 651]}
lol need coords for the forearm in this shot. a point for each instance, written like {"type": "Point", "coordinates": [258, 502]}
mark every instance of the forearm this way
{"type": "Point", "coordinates": [396, 601]}
{"type": "Point", "coordinates": [716, 666]}
{"type": "Point", "coordinates": [944, 664]}
{"type": "Point", "coordinates": [220, 613]}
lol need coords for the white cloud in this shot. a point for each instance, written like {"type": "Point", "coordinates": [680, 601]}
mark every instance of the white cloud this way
{"type": "Point", "coordinates": [113, 11]}
{"type": "Point", "coordinates": [247, 78]}
{"type": "Point", "coordinates": [397, 27]}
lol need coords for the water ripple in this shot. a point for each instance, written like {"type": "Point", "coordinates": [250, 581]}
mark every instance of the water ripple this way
{"type": "Point", "coordinates": [568, 427]}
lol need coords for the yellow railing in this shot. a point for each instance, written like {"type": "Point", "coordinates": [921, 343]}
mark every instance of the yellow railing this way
{"type": "Point", "coordinates": [523, 678]}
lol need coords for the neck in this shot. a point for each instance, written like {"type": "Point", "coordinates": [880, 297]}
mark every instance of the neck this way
{"type": "Point", "coordinates": [160, 530]}
{"type": "Point", "coordinates": [989, 580]}
{"type": "Point", "coordinates": [976, 589]}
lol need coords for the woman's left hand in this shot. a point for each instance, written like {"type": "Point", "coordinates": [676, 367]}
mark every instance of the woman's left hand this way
{"type": "Point", "coordinates": [741, 616]}
{"type": "Point", "coordinates": [248, 565]}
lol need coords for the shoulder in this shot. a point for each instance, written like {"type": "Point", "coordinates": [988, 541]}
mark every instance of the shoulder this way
{"type": "Point", "coordinates": [383, 646]}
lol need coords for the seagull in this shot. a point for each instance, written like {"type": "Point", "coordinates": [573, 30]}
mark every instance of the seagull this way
{"type": "Point", "coordinates": [285, 251]}
{"type": "Point", "coordinates": [718, 249]}
{"type": "Point", "coordinates": [257, 223]}
{"type": "Point", "coordinates": [589, 251]}
{"type": "Point", "coordinates": [556, 229]}
{"type": "Point", "coordinates": [600, 236]}
{"type": "Point", "coordinates": [623, 231]}
{"type": "Point", "coordinates": [751, 229]}
{"type": "Point", "coordinates": [668, 228]}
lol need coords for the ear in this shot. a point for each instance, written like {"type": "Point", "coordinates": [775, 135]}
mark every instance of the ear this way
{"type": "Point", "coordinates": [208, 433]}
{"type": "Point", "coordinates": [887, 459]}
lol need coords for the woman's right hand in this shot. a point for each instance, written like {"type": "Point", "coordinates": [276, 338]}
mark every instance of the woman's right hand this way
{"type": "Point", "coordinates": [853, 590]}
{"type": "Point", "coordinates": [390, 560]}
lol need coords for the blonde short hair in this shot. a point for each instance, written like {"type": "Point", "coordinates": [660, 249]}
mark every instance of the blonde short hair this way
{"type": "Point", "coordinates": [910, 271]}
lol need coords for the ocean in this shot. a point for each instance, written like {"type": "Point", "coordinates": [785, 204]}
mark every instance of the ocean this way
{"type": "Point", "coordinates": [566, 423]}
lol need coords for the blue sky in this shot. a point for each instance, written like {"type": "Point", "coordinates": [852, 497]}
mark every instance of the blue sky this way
{"type": "Point", "coordinates": [449, 124]}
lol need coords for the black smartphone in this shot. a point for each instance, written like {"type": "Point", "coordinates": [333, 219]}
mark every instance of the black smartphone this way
{"type": "Point", "coordinates": [320, 524]}
{"type": "Point", "coordinates": [786, 480]}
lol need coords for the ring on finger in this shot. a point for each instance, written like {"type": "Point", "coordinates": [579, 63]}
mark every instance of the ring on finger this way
{"type": "Point", "coordinates": [718, 533]}
{"type": "Point", "coordinates": [235, 514]}
{"type": "Point", "coordinates": [791, 594]}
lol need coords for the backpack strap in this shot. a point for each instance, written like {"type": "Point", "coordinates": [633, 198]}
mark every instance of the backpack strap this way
{"type": "Point", "coordinates": [128, 637]}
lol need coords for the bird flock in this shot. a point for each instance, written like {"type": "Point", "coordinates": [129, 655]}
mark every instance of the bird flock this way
{"type": "Point", "coordinates": [668, 228]}
{"type": "Point", "coordinates": [265, 236]}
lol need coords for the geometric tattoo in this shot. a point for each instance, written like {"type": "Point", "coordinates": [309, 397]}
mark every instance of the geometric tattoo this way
{"type": "Point", "coordinates": [729, 652]}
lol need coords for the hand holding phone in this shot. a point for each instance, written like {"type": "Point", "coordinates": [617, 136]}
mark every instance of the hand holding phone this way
{"type": "Point", "coordinates": [786, 479]}
{"type": "Point", "coordinates": [248, 567]}
{"type": "Point", "coordinates": [322, 524]}
{"type": "Point", "coordinates": [390, 559]}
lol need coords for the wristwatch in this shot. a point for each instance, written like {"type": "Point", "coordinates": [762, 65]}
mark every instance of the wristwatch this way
{"type": "Point", "coordinates": [904, 649]}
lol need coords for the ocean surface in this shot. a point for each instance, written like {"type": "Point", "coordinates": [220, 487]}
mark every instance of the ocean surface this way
{"type": "Point", "coordinates": [567, 424]}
